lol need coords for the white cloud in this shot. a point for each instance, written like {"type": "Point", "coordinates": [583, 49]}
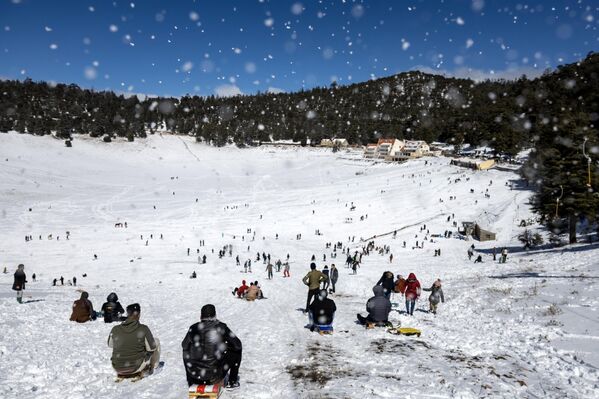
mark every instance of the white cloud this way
{"type": "Point", "coordinates": [275, 90]}
{"type": "Point", "coordinates": [227, 91]}
{"type": "Point", "coordinates": [480, 75]}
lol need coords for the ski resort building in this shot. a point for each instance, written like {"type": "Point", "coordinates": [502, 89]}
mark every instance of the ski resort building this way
{"type": "Point", "coordinates": [388, 147]}
{"type": "Point", "coordinates": [370, 151]}
{"type": "Point", "coordinates": [413, 149]}
{"type": "Point", "coordinates": [339, 143]}
{"type": "Point", "coordinates": [476, 164]}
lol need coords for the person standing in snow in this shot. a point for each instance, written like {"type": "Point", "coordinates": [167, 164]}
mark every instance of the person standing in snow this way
{"type": "Point", "coordinates": [20, 278]}
{"type": "Point", "coordinates": [313, 280]}
{"type": "Point", "coordinates": [378, 308]}
{"type": "Point", "coordinates": [334, 277]}
{"type": "Point", "coordinates": [286, 270]}
{"type": "Point", "coordinates": [112, 309]}
{"type": "Point", "coordinates": [387, 282]}
{"type": "Point", "coordinates": [134, 348]}
{"type": "Point", "coordinates": [400, 285]}
{"type": "Point", "coordinates": [470, 253]}
{"type": "Point", "coordinates": [412, 293]}
{"type": "Point", "coordinates": [211, 350]}
{"type": "Point", "coordinates": [503, 255]}
{"type": "Point", "coordinates": [325, 271]}
{"type": "Point", "coordinates": [269, 270]}
{"type": "Point", "coordinates": [436, 296]}
{"type": "Point", "coordinates": [83, 309]}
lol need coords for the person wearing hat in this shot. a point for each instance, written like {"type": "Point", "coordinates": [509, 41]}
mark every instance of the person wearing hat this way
{"type": "Point", "coordinates": [313, 280]}
{"type": "Point", "coordinates": [134, 348]}
{"type": "Point", "coordinates": [112, 309]}
{"type": "Point", "coordinates": [210, 351]}
{"type": "Point", "coordinates": [321, 310]}
{"type": "Point", "coordinates": [83, 309]}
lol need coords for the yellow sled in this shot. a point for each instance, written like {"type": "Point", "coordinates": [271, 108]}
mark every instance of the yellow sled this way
{"type": "Point", "coordinates": [405, 331]}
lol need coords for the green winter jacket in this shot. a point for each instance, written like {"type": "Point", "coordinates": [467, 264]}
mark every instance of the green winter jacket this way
{"type": "Point", "coordinates": [314, 278]}
{"type": "Point", "coordinates": [130, 343]}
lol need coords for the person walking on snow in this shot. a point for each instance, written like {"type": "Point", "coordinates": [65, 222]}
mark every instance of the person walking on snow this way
{"type": "Point", "coordinates": [313, 280]}
{"type": "Point", "coordinates": [436, 296]}
{"type": "Point", "coordinates": [412, 293]}
{"type": "Point", "coordinates": [269, 270]}
{"type": "Point", "coordinates": [503, 255]}
{"type": "Point", "coordinates": [286, 270]}
{"type": "Point", "coordinates": [211, 351]}
{"type": "Point", "coordinates": [334, 276]}
{"type": "Point", "coordinates": [20, 278]}
{"type": "Point", "coordinates": [388, 284]}
{"type": "Point", "coordinates": [325, 271]}
{"type": "Point", "coordinates": [134, 348]}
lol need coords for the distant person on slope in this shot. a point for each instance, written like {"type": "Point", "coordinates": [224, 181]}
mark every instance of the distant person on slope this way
{"type": "Point", "coordinates": [387, 282]}
{"type": "Point", "coordinates": [334, 277]}
{"type": "Point", "coordinates": [412, 293]}
{"type": "Point", "coordinates": [112, 309]}
{"type": "Point", "coordinates": [378, 308]}
{"type": "Point", "coordinates": [134, 349]}
{"type": "Point", "coordinates": [436, 295]}
{"type": "Point", "coordinates": [210, 351]}
{"type": "Point", "coordinates": [19, 282]}
{"type": "Point", "coordinates": [313, 280]}
{"type": "Point", "coordinates": [321, 310]}
{"type": "Point", "coordinates": [82, 309]}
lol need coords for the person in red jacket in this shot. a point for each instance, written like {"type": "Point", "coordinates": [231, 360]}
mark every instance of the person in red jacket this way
{"type": "Point", "coordinates": [412, 293]}
{"type": "Point", "coordinates": [241, 290]}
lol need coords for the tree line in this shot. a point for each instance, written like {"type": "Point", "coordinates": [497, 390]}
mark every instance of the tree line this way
{"type": "Point", "coordinates": [552, 114]}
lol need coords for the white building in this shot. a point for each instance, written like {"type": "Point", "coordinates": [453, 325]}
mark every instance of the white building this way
{"type": "Point", "coordinates": [414, 149]}
{"type": "Point", "coordinates": [370, 151]}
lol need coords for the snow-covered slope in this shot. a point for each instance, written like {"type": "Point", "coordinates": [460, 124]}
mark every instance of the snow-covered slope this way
{"type": "Point", "coordinates": [527, 328]}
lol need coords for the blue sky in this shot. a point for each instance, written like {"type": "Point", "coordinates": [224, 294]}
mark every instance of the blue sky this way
{"type": "Point", "coordinates": [226, 47]}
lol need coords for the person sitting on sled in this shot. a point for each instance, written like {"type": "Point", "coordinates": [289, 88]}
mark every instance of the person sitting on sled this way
{"type": "Point", "coordinates": [241, 290]}
{"type": "Point", "coordinates": [378, 308]}
{"type": "Point", "coordinates": [321, 311]}
{"type": "Point", "coordinates": [83, 309]}
{"type": "Point", "coordinates": [210, 351]}
{"type": "Point", "coordinates": [134, 348]}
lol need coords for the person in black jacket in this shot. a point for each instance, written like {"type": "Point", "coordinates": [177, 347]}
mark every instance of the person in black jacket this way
{"type": "Point", "coordinates": [19, 283]}
{"type": "Point", "coordinates": [321, 310]}
{"type": "Point", "coordinates": [112, 309]}
{"type": "Point", "coordinates": [210, 351]}
{"type": "Point", "coordinates": [388, 283]}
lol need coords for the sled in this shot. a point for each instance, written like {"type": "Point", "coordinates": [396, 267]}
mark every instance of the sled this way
{"type": "Point", "coordinates": [405, 331]}
{"type": "Point", "coordinates": [324, 329]}
{"type": "Point", "coordinates": [206, 391]}
{"type": "Point", "coordinates": [371, 325]}
{"type": "Point", "coordinates": [140, 375]}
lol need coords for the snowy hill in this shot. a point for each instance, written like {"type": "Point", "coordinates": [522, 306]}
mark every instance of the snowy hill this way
{"type": "Point", "coordinates": [527, 328]}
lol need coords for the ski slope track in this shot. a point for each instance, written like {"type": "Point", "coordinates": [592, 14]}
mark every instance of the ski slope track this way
{"type": "Point", "coordinates": [528, 328]}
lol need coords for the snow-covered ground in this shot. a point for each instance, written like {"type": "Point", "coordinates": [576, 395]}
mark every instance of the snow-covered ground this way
{"type": "Point", "coordinates": [527, 328]}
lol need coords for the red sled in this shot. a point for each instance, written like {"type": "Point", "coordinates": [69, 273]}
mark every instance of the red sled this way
{"type": "Point", "coordinates": [206, 391]}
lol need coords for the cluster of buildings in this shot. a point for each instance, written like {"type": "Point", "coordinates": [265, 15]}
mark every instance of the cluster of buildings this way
{"type": "Point", "coordinates": [402, 150]}
{"type": "Point", "coordinates": [399, 150]}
